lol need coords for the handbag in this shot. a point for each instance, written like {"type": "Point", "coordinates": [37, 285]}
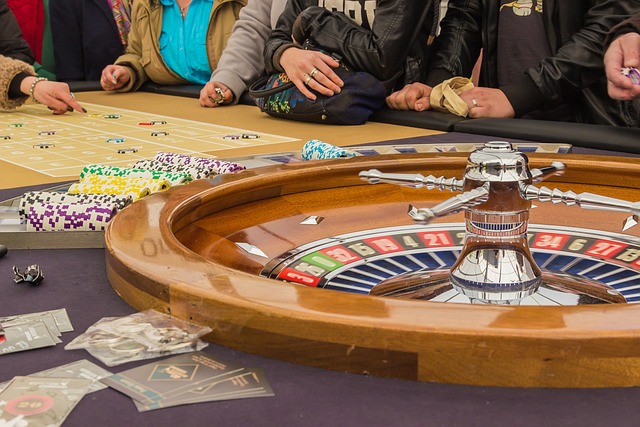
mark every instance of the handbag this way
{"type": "Point", "coordinates": [361, 96]}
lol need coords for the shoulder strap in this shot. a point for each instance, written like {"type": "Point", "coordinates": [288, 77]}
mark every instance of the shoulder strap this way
{"type": "Point", "coordinates": [258, 90]}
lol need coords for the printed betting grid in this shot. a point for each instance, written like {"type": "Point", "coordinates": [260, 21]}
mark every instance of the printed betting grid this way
{"type": "Point", "coordinates": [61, 146]}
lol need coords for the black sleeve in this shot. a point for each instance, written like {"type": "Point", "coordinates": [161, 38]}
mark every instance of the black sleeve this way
{"type": "Point", "coordinates": [457, 47]}
{"type": "Point", "coordinates": [66, 32]}
{"type": "Point", "coordinates": [280, 37]}
{"type": "Point", "coordinates": [11, 42]}
{"type": "Point", "coordinates": [380, 51]}
{"type": "Point", "coordinates": [631, 25]}
{"type": "Point", "coordinates": [578, 64]}
{"type": "Point", "coordinates": [14, 86]}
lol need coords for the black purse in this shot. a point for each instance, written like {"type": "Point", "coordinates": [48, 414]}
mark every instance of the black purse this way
{"type": "Point", "coordinates": [361, 96]}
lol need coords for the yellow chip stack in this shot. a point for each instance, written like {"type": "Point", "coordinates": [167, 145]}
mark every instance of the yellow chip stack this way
{"type": "Point", "coordinates": [87, 188]}
{"type": "Point", "coordinates": [135, 187]}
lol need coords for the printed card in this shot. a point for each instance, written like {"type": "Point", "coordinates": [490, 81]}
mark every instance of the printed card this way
{"type": "Point", "coordinates": [248, 383]}
{"type": "Point", "coordinates": [79, 369]}
{"type": "Point", "coordinates": [26, 337]}
{"type": "Point", "coordinates": [195, 373]}
{"type": "Point", "coordinates": [40, 402]}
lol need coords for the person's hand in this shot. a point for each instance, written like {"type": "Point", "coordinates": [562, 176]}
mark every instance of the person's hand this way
{"type": "Point", "coordinates": [414, 96]}
{"type": "Point", "coordinates": [55, 95]}
{"type": "Point", "coordinates": [487, 102]}
{"type": "Point", "coordinates": [114, 77]}
{"type": "Point", "coordinates": [624, 51]}
{"type": "Point", "coordinates": [313, 69]}
{"type": "Point", "coordinates": [209, 97]}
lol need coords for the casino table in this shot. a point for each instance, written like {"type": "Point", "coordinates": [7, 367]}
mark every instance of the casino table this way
{"type": "Point", "coordinates": [85, 282]}
{"type": "Point", "coordinates": [241, 116]}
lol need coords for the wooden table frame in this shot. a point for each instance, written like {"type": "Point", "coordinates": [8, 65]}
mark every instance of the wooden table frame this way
{"type": "Point", "coordinates": [158, 256]}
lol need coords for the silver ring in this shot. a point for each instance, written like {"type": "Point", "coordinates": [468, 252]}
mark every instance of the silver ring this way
{"type": "Point", "coordinates": [307, 80]}
{"type": "Point", "coordinates": [219, 98]}
{"type": "Point", "coordinates": [474, 102]}
{"type": "Point", "coordinates": [313, 72]}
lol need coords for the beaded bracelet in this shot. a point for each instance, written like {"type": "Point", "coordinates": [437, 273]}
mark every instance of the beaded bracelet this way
{"type": "Point", "coordinates": [33, 87]}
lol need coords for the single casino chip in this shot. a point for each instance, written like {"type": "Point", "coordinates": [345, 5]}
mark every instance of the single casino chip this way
{"type": "Point", "coordinates": [17, 125]}
{"type": "Point", "coordinates": [44, 145]}
{"type": "Point", "coordinates": [115, 140]}
{"type": "Point", "coordinates": [47, 132]}
{"type": "Point", "coordinates": [159, 133]}
{"type": "Point", "coordinates": [158, 122]}
{"type": "Point", "coordinates": [5, 137]}
{"type": "Point", "coordinates": [112, 116]}
{"type": "Point", "coordinates": [127, 150]}
{"type": "Point", "coordinates": [633, 74]}
{"type": "Point", "coordinates": [250, 136]}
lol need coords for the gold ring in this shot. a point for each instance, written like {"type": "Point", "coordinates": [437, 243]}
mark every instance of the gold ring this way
{"type": "Point", "coordinates": [307, 80]}
{"type": "Point", "coordinates": [313, 72]}
{"type": "Point", "coordinates": [474, 102]}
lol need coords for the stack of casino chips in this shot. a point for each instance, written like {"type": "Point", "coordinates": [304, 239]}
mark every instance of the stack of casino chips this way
{"type": "Point", "coordinates": [174, 178]}
{"type": "Point", "coordinates": [196, 167]}
{"type": "Point", "coordinates": [51, 211]}
{"type": "Point", "coordinates": [320, 150]}
{"type": "Point", "coordinates": [194, 172]}
{"type": "Point", "coordinates": [69, 216]}
{"type": "Point", "coordinates": [134, 187]}
{"type": "Point", "coordinates": [47, 197]}
{"type": "Point", "coordinates": [102, 190]}
{"type": "Point", "coordinates": [213, 165]}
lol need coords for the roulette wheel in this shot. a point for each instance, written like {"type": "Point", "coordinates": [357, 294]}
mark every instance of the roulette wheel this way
{"type": "Point", "coordinates": [288, 261]}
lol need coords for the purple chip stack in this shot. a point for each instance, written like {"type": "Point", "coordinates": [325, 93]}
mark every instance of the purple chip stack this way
{"type": "Point", "coordinates": [34, 197]}
{"type": "Point", "coordinates": [69, 216]}
{"type": "Point", "coordinates": [216, 166]}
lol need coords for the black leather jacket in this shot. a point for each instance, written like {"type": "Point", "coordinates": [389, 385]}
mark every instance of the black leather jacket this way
{"type": "Point", "coordinates": [397, 44]}
{"type": "Point", "coordinates": [630, 25]}
{"type": "Point", "coordinates": [574, 75]}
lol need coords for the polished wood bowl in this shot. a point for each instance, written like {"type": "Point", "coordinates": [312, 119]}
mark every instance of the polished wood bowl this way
{"type": "Point", "coordinates": [176, 252]}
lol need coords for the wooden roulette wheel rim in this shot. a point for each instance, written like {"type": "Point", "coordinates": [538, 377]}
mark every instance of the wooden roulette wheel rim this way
{"type": "Point", "coordinates": [175, 252]}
